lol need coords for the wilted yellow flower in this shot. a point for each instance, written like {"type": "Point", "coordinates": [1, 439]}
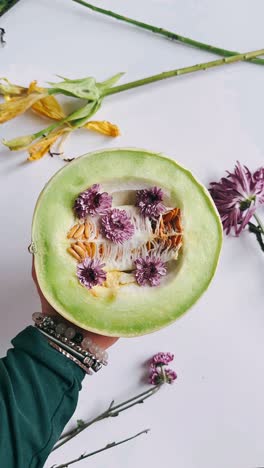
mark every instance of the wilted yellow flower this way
{"type": "Point", "coordinates": [42, 146]}
{"type": "Point", "coordinates": [19, 143]}
{"type": "Point", "coordinates": [104, 127]}
{"type": "Point", "coordinates": [15, 107]}
{"type": "Point", "coordinates": [48, 106]}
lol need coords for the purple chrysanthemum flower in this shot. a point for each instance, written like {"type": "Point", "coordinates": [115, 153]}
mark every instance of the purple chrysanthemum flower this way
{"type": "Point", "coordinates": [92, 202]}
{"type": "Point", "coordinates": [90, 273]}
{"type": "Point", "coordinates": [149, 270]}
{"type": "Point", "coordinates": [161, 375]}
{"type": "Point", "coordinates": [162, 358]}
{"type": "Point", "coordinates": [116, 226]}
{"type": "Point", "coordinates": [149, 202]}
{"type": "Point", "coordinates": [237, 197]}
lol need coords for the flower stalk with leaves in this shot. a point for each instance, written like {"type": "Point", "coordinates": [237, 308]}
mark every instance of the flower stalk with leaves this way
{"type": "Point", "coordinates": [94, 93]}
{"type": "Point", "coordinates": [159, 374]}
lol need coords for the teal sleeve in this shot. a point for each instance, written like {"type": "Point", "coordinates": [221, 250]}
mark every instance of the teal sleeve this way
{"type": "Point", "coordinates": [38, 394]}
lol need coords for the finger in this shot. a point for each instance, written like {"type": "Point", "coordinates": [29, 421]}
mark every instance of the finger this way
{"type": "Point", "coordinates": [101, 340]}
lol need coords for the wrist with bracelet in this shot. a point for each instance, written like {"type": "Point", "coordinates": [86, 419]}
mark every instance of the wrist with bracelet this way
{"type": "Point", "coordinates": [71, 343]}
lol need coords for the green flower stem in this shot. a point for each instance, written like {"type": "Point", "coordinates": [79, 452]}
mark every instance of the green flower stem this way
{"type": "Point", "coordinates": [77, 122]}
{"type": "Point", "coordinates": [183, 71]}
{"type": "Point", "coordinates": [260, 224]}
{"type": "Point", "coordinates": [258, 231]}
{"type": "Point", "coordinates": [46, 131]}
{"type": "Point", "coordinates": [6, 5]}
{"type": "Point", "coordinates": [107, 447]}
{"type": "Point", "coordinates": [72, 119]}
{"type": "Point", "coordinates": [166, 33]}
{"type": "Point", "coordinates": [112, 411]}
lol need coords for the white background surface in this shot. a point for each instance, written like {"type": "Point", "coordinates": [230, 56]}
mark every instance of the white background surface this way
{"type": "Point", "coordinates": [213, 416]}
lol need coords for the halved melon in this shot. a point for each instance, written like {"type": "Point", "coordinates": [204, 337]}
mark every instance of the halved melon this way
{"type": "Point", "coordinates": [122, 307]}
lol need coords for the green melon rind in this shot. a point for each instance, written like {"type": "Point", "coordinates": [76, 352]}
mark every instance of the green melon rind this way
{"type": "Point", "coordinates": [56, 271]}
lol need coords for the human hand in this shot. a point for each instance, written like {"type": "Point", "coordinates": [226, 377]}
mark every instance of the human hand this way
{"type": "Point", "coordinates": [103, 341]}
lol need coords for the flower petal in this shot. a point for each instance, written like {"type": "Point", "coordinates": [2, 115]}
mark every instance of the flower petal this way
{"type": "Point", "coordinates": [92, 202]}
{"type": "Point", "coordinates": [104, 127]}
{"type": "Point", "coordinates": [42, 146]}
{"type": "Point", "coordinates": [90, 273]}
{"type": "Point", "coordinates": [237, 196]}
{"type": "Point", "coordinates": [7, 89]}
{"type": "Point", "coordinates": [116, 226]}
{"type": "Point", "coordinates": [11, 109]}
{"type": "Point", "coordinates": [48, 106]}
{"type": "Point", "coordinates": [33, 87]}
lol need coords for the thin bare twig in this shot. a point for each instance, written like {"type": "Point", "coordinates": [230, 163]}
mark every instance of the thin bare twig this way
{"type": "Point", "coordinates": [107, 447]}
{"type": "Point", "coordinates": [111, 411]}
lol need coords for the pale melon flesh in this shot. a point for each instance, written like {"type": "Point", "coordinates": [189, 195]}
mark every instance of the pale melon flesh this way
{"type": "Point", "coordinates": [132, 310]}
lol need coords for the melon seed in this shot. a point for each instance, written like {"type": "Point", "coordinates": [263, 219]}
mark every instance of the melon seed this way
{"type": "Point", "coordinates": [81, 244]}
{"type": "Point", "coordinates": [72, 231]}
{"type": "Point", "coordinates": [87, 230]}
{"type": "Point", "coordinates": [88, 248]}
{"type": "Point", "coordinates": [74, 254]}
{"type": "Point", "coordinates": [93, 247]}
{"type": "Point", "coordinates": [79, 232]}
{"type": "Point", "coordinates": [79, 250]}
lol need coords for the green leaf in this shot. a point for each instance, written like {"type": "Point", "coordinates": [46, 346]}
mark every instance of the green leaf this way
{"type": "Point", "coordinates": [80, 118]}
{"type": "Point", "coordinates": [110, 82]}
{"type": "Point", "coordinates": [85, 88]}
{"type": "Point", "coordinates": [84, 112]}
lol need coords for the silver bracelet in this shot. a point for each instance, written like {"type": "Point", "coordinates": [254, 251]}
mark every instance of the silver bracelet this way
{"type": "Point", "coordinates": [72, 341]}
{"type": "Point", "coordinates": [70, 356]}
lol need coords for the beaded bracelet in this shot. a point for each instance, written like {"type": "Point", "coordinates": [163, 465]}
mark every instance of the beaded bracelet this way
{"type": "Point", "coordinates": [72, 341]}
